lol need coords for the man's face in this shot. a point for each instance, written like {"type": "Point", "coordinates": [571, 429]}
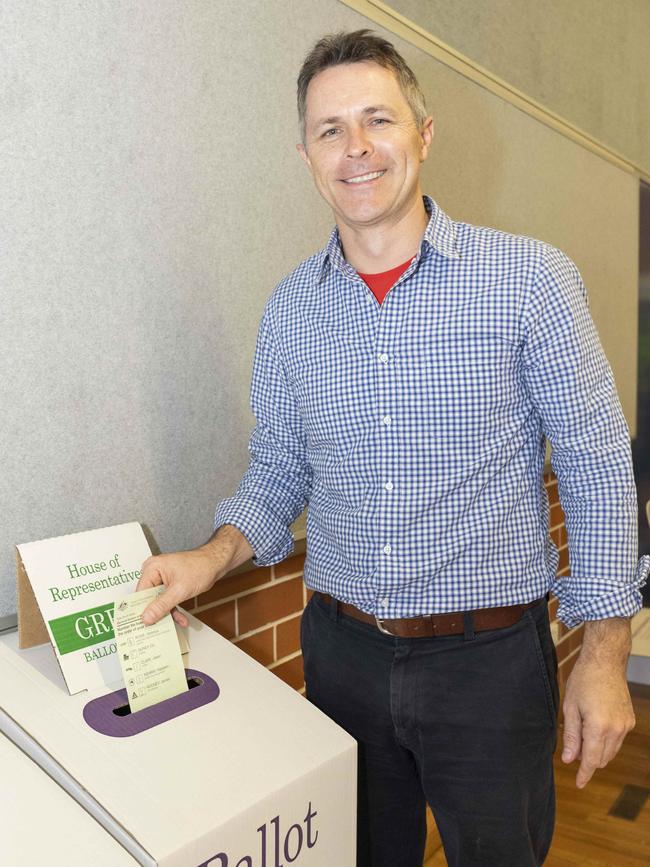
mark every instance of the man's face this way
{"type": "Point", "coordinates": [363, 146]}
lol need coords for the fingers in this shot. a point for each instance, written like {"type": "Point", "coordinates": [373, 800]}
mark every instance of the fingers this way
{"type": "Point", "coordinates": [579, 743]}
{"type": "Point", "coordinates": [154, 573]}
{"type": "Point", "coordinates": [180, 618]}
{"type": "Point", "coordinates": [184, 574]}
{"type": "Point", "coordinates": [572, 737]}
{"type": "Point", "coordinates": [598, 713]}
{"type": "Point", "coordinates": [162, 605]}
{"type": "Point", "coordinates": [150, 575]}
{"type": "Point", "coordinates": [599, 746]}
{"type": "Point", "coordinates": [612, 746]}
{"type": "Point", "coordinates": [593, 750]}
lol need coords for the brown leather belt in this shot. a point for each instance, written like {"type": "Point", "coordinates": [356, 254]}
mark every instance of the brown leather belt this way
{"type": "Point", "coordinates": [431, 625]}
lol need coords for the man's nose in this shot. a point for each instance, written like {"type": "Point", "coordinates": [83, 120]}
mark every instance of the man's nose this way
{"type": "Point", "coordinates": [358, 143]}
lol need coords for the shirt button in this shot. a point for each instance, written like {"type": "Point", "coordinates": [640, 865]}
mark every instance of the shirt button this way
{"type": "Point", "coordinates": [387, 549]}
{"type": "Point", "coordinates": [384, 603]}
{"type": "Point", "coordinates": [389, 486]}
{"type": "Point", "coordinates": [383, 358]}
{"type": "Point", "coordinates": [387, 419]}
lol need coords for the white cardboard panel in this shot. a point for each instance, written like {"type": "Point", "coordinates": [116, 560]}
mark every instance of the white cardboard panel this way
{"type": "Point", "coordinates": [66, 834]}
{"type": "Point", "coordinates": [202, 783]}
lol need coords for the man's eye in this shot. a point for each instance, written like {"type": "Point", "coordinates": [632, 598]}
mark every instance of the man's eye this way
{"type": "Point", "coordinates": [330, 132]}
{"type": "Point", "coordinates": [379, 121]}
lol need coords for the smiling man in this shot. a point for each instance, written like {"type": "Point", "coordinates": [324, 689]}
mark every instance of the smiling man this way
{"type": "Point", "coordinates": [405, 380]}
{"type": "Point", "coordinates": [364, 145]}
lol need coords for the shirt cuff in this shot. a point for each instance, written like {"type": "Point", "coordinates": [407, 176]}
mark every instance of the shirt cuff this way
{"type": "Point", "coordinates": [597, 599]}
{"type": "Point", "coordinates": [269, 538]}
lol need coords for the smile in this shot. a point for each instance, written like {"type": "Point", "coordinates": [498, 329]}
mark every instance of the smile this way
{"type": "Point", "coordinates": [360, 179]}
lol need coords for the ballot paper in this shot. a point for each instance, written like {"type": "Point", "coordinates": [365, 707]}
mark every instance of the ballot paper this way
{"type": "Point", "coordinates": [150, 656]}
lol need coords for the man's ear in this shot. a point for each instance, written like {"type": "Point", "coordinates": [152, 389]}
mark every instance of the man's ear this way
{"type": "Point", "coordinates": [302, 150]}
{"type": "Point", "coordinates": [427, 138]}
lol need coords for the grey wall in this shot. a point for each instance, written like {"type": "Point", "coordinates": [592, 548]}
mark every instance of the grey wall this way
{"type": "Point", "coordinates": [152, 197]}
{"type": "Point", "coordinates": [586, 60]}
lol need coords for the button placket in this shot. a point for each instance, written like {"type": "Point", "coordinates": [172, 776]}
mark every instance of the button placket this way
{"type": "Point", "coordinates": [385, 379]}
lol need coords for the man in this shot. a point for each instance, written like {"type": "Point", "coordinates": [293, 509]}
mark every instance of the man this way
{"type": "Point", "coordinates": [404, 380]}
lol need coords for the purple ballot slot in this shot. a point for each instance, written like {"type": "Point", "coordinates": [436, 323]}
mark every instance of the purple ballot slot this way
{"type": "Point", "coordinates": [111, 715]}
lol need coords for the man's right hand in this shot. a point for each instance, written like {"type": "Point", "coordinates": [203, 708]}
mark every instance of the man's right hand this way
{"type": "Point", "coordinates": [186, 574]}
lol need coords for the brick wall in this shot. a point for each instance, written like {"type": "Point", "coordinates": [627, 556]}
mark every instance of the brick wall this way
{"type": "Point", "coordinates": [259, 609]}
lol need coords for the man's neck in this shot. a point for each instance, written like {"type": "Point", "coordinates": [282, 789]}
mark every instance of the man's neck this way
{"type": "Point", "coordinates": [373, 249]}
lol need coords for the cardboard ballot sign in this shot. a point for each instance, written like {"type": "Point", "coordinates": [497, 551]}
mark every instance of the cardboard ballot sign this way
{"type": "Point", "coordinates": [67, 587]}
{"type": "Point", "coordinates": [238, 770]}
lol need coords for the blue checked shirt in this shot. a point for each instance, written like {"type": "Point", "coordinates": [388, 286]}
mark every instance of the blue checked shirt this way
{"type": "Point", "coordinates": [415, 431]}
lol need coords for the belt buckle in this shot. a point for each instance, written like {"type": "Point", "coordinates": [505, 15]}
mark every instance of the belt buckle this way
{"type": "Point", "coordinates": [379, 622]}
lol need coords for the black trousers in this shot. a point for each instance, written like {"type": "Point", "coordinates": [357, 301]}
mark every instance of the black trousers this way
{"type": "Point", "coordinates": [467, 724]}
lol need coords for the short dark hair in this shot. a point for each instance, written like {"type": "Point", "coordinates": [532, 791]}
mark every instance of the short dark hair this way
{"type": "Point", "coordinates": [357, 47]}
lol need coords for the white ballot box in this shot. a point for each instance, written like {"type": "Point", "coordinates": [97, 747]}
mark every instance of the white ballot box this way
{"type": "Point", "coordinates": [239, 771]}
{"type": "Point", "coordinates": [41, 824]}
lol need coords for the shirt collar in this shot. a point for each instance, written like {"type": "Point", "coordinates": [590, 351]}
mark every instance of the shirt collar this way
{"type": "Point", "coordinates": [440, 235]}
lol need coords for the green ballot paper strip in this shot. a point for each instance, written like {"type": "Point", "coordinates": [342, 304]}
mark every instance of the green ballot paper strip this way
{"type": "Point", "coordinates": [264, 772]}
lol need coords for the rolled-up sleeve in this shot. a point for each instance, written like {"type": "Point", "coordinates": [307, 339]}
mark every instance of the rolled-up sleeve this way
{"type": "Point", "coordinates": [277, 485]}
{"type": "Point", "coordinates": [572, 387]}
